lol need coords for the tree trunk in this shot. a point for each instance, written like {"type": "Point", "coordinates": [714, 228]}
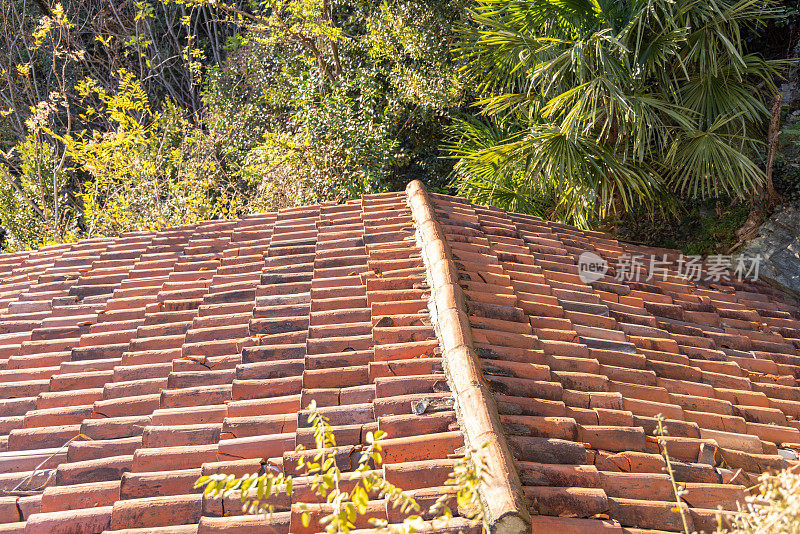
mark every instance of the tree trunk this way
{"type": "Point", "coordinates": [772, 147]}
{"type": "Point", "coordinates": [765, 197]}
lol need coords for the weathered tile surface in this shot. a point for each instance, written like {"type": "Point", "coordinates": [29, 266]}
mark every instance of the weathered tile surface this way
{"type": "Point", "coordinates": [131, 366]}
{"type": "Point", "coordinates": [580, 371]}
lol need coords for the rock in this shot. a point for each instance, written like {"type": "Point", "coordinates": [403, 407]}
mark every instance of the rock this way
{"type": "Point", "coordinates": [778, 244]}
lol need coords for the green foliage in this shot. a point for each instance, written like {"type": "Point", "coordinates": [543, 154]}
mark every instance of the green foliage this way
{"type": "Point", "coordinates": [592, 107]}
{"type": "Point", "coordinates": [324, 477]}
{"type": "Point", "coordinates": [359, 108]}
{"type": "Point", "coordinates": [140, 176]}
{"type": "Point", "coordinates": [160, 112]}
{"type": "Point", "coordinates": [700, 227]}
{"type": "Point", "coordinates": [30, 182]}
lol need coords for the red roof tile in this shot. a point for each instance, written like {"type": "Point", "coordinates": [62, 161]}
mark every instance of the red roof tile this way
{"type": "Point", "coordinates": [131, 366]}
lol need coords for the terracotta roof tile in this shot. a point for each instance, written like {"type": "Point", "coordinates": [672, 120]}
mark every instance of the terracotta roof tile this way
{"type": "Point", "coordinates": [130, 366]}
{"type": "Point", "coordinates": [696, 355]}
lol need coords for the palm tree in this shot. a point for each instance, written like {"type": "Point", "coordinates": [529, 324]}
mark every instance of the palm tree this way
{"type": "Point", "coordinates": [591, 106]}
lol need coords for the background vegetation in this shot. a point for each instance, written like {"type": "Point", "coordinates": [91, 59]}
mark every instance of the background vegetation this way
{"type": "Point", "coordinates": [119, 115]}
{"type": "Point", "coordinates": [132, 114]}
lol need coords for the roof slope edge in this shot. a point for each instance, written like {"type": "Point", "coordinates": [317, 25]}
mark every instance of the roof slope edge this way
{"type": "Point", "coordinates": [501, 490]}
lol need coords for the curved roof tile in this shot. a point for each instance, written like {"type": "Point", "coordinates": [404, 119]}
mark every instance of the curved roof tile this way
{"type": "Point", "coordinates": [131, 366]}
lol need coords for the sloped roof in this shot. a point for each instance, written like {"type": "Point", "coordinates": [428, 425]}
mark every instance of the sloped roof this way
{"type": "Point", "coordinates": [131, 366]}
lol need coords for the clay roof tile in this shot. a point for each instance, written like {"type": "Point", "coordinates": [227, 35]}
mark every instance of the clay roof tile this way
{"type": "Point", "coordinates": [195, 350]}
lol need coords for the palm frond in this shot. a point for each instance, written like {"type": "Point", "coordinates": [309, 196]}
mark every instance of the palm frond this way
{"type": "Point", "coordinates": [707, 163]}
{"type": "Point", "coordinates": [597, 105]}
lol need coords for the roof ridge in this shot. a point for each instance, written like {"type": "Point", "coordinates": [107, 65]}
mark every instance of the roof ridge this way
{"type": "Point", "coordinates": [501, 490]}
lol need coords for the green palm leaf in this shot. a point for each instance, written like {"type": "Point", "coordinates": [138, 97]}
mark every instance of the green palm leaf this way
{"type": "Point", "coordinates": [593, 106]}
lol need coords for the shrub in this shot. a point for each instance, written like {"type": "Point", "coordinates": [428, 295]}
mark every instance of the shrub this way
{"type": "Point", "coordinates": [774, 509]}
{"type": "Point", "coordinates": [325, 477]}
